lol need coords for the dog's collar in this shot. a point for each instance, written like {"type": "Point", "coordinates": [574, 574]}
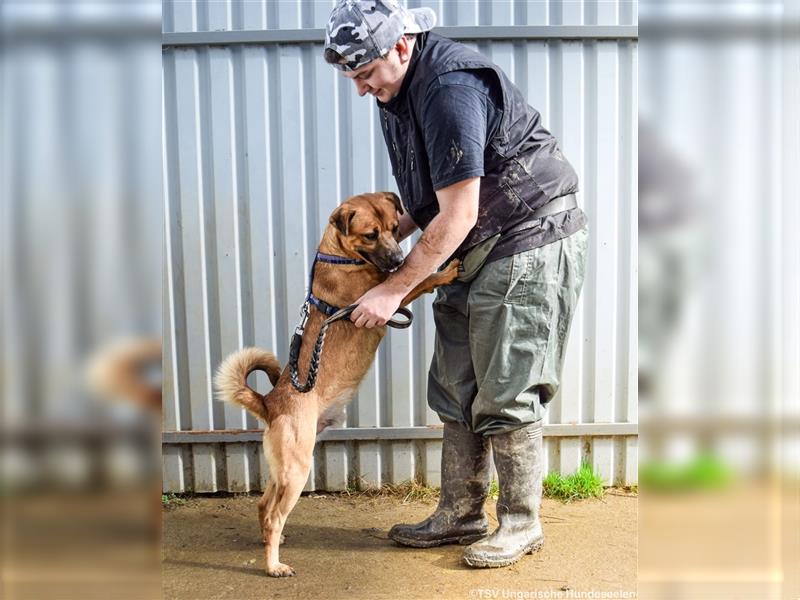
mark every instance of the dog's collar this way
{"type": "Point", "coordinates": [321, 305]}
{"type": "Point", "coordinates": [338, 260]}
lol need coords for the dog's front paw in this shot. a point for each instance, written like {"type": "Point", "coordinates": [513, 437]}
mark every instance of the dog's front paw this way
{"type": "Point", "coordinates": [450, 272]}
{"type": "Point", "coordinates": [280, 570]}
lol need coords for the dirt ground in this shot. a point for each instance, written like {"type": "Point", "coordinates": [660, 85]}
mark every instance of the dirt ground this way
{"type": "Point", "coordinates": [338, 546]}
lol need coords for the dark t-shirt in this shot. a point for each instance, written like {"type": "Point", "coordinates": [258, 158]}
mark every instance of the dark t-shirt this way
{"type": "Point", "coordinates": [461, 117]}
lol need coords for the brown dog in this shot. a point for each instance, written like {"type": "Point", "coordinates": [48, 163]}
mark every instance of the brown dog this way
{"type": "Point", "coordinates": [364, 227]}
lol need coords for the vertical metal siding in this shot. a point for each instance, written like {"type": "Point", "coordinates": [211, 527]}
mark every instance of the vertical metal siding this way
{"type": "Point", "coordinates": [80, 235]}
{"type": "Point", "coordinates": [262, 142]}
{"type": "Point", "coordinates": [73, 173]}
{"type": "Point", "coordinates": [738, 348]}
{"type": "Point", "coordinates": [229, 15]}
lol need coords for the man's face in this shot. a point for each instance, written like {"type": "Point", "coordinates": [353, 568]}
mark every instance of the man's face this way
{"type": "Point", "coordinates": [382, 77]}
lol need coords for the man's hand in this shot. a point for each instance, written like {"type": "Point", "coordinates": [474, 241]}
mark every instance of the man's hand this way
{"type": "Point", "coordinates": [376, 307]}
{"type": "Point", "coordinates": [458, 213]}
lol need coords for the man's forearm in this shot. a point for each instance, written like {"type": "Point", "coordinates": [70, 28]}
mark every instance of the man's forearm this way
{"type": "Point", "coordinates": [407, 226]}
{"type": "Point", "coordinates": [439, 240]}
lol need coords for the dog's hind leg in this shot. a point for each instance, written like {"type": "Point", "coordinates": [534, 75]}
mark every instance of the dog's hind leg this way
{"type": "Point", "coordinates": [287, 492]}
{"type": "Point", "coordinates": [264, 502]}
{"type": "Point", "coordinates": [293, 464]}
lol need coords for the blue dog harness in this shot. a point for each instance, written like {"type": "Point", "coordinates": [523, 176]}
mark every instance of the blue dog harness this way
{"type": "Point", "coordinates": [334, 314]}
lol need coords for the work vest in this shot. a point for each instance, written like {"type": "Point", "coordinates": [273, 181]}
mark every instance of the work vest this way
{"type": "Point", "coordinates": [523, 166]}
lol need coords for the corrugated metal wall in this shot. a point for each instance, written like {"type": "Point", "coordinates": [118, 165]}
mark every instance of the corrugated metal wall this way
{"type": "Point", "coordinates": [261, 141]}
{"type": "Point", "coordinates": [80, 238]}
{"type": "Point", "coordinates": [224, 15]}
{"type": "Point", "coordinates": [730, 368]}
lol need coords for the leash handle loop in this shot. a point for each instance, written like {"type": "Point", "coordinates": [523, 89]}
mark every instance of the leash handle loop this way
{"type": "Point", "coordinates": [404, 323]}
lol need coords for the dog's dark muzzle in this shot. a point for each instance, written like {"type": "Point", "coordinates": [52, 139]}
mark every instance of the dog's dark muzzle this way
{"type": "Point", "coordinates": [387, 262]}
{"type": "Point", "coordinates": [393, 263]}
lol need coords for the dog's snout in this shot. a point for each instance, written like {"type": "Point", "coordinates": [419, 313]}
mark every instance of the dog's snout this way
{"type": "Point", "coordinates": [396, 262]}
{"type": "Point", "coordinates": [390, 259]}
{"type": "Point", "coordinates": [393, 256]}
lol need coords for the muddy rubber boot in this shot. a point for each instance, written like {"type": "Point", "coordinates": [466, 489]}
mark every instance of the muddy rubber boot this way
{"type": "Point", "coordinates": [459, 517]}
{"type": "Point", "coordinates": [518, 459]}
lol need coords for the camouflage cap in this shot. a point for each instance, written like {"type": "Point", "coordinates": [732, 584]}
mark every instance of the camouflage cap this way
{"type": "Point", "coordinates": [363, 30]}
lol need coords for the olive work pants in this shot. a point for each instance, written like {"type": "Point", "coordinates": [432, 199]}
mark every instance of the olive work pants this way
{"type": "Point", "coordinates": [500, 339]}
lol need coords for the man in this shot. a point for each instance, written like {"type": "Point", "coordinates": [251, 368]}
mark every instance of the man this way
{"type": "Point", "coordinates": [488, 185]}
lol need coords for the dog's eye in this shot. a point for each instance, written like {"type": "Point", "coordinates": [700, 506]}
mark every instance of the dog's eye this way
{"type": "Point", "coordinates": [371, 236]}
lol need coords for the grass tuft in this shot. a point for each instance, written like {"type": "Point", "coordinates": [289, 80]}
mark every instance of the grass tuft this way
{"type": "Point", "coordinates": [170, 500]}
{"type": "Point", "coordinates": [408, 491]}
{"type": "Point", "coordinates": [494, 490]}
{"type": "Point", "coordinates": [584, 483]}
{"type": "Point", "coordinates": [704, 472]}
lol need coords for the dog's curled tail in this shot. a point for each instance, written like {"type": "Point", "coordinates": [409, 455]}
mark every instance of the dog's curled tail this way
{"type": "Point", "coordinates": [231, 378]}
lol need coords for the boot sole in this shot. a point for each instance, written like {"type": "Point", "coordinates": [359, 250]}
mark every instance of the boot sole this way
{"type": "Point", "coordinates": [463, 540]}
{"type": "Point", "coordinates": [490, 563]}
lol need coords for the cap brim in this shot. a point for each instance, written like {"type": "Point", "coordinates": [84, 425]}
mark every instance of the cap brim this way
{"type": "Point", "coordinates": [424, 20]}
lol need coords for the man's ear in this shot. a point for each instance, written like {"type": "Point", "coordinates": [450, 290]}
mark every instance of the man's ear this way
{"type": "Point", "coordinates": [396, 199]}
{"type": "Point", "coordinates": [404, 49]}
{"type": "Point", "coordinates": [341, 218]}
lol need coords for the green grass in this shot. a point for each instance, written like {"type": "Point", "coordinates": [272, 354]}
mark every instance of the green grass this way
{"type": "Point", "coordinates": [494, 490]}
{"type": "Point", "coordinates": [585, 483]}
{"type": "Point", "coordinates": [168, 500]}
{"type": "Point", "coordinates": [703, 472]}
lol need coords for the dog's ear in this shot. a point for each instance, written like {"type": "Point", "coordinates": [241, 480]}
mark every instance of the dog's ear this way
{"type": "Point", "coordinates": [396, 199]}
{"type": "Point", "coordinates": [341, 218]}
